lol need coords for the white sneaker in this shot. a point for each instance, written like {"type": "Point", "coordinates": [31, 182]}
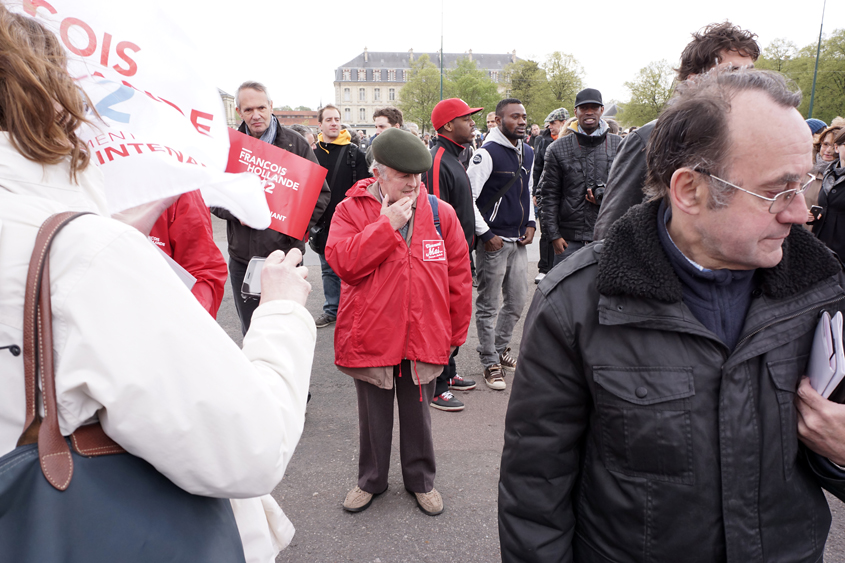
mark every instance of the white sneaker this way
{"type": "Point", "coordinates": [539, 277]}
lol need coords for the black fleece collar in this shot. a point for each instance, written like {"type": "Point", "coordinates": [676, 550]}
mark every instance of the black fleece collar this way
{"type": "Point", "coordinates": [633, 262]}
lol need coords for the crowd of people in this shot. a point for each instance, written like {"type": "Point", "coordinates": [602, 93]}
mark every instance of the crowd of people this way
{"type": "Point", "coordinates": [658, 408]}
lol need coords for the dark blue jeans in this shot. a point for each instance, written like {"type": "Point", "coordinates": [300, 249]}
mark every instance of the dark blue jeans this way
{"type": "Point", "coordinates": [331, 288]}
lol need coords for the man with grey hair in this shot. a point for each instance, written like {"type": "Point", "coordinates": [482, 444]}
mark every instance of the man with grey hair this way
{"type": "Point", "coordinates": [652, 415]}
{"type": "Point", "coordinates": [255, 107]}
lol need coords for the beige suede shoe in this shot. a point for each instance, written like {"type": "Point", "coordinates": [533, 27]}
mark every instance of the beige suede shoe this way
{"type": "Point", "coordinates": [431, 502]}
{"type": "Point", "coordinates": [357, 500]}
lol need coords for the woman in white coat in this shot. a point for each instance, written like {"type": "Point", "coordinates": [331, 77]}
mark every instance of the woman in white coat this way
{"type": "Point", "coordinates": [133, 348]}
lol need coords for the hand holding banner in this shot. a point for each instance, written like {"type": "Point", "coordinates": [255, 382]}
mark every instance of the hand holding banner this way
{"type": "Point", "coordinates": [292, 184]}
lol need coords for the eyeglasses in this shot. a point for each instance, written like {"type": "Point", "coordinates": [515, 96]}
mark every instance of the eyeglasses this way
{"type": "Point", "coordinates": [778, 203]}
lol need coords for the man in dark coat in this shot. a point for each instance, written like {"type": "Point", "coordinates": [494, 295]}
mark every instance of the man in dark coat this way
{"type": "Point", "coordinates": [574, 176]}
{"type": "Point", "coordinates": [719, 44]}
{"type": "Point", "coordinates": [447, 179]}
{"type": "Point", "coordinates": [256, 109]}
{"type": "Point", "coordinates": [554, 122]}
{"type": "Point", "coordinates": [653, 412]}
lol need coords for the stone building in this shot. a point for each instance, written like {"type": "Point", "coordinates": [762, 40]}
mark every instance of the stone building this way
{"type": "Point", "coordinates": [232, 119]}
{"type": "Point", "coordinates": [374, 80]}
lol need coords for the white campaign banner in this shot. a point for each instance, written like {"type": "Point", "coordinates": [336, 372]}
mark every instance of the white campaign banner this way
{"type": "Point", "coordinates": [163, 128]}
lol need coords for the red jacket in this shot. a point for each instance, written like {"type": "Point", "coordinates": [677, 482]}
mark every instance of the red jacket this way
{"type": "Point", "coordinates": [184, 233]}
{"type": "Point", "coordinates": [398, 302]}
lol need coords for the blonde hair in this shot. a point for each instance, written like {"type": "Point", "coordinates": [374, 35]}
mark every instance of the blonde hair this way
{"type": "Point", "coordinates": [40, 106]}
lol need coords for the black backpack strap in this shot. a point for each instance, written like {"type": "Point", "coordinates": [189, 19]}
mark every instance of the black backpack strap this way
{"type": "Point", "coordinates": [351, 160]}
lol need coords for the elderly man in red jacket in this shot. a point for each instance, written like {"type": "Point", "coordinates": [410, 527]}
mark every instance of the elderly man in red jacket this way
{"type": "Point", "coordinates": [405, 303]}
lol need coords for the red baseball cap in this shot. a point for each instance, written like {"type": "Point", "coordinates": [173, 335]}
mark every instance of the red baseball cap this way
{"type": "Point", "coordinates": [447, 110]}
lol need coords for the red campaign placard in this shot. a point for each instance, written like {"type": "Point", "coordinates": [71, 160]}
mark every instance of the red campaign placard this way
{"type": "Point", "coordinates": [292, 183]}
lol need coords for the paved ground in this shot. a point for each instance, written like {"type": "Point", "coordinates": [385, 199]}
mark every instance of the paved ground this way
{"type": "Point", "coordinates": [468, 448]}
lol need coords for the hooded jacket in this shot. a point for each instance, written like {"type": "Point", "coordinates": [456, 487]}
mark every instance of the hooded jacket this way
{"type": "Point", "coordinates": [246, 242]}
{"type": "Point", "coordinates": [573, 164]}
{"type": "Point", "coordinates": [492, 167]}
{"type": "Point", "coordinates": [353, 167]}
{"type": "Point", "coordinates": [397, 302]}
{"type": "Point", "coordinates": [184, 233]}
{"type": "Point", "coordinates": [634, 434]}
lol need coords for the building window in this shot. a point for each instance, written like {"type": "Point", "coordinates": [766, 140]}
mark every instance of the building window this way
{"type": "Point", "coordinates": [347, 74]}
{"type": "Point", "coordinates": [376, 75]}
{"type": "Point", "coordinates": [362, 75]}
{"type": "Point", "coordinates": [391, 94]}
{"type": "Point", "coordinates": [494, 75]}
{"type": "Point", "coordinates": [347, 114]}
{"type": "Point", "coordinates": [347, 94]}
{"type": "Point", "coordinates": [376, 94]}
{"type": "Point", "coordinates": [362, 95]}
{"type": "Point", "coordinates": [391, 75]}
{"type": "Point", "coordinates": [362, 115]}
{"type": "Point", "coordinates": [404, 76]}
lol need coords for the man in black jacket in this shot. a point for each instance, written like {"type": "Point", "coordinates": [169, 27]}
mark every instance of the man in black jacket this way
{"type": "Point", "coordinates": [719, 44]}
{"type": "Point", "coordinates": [346, 164]}
{"type": "Point", "coordinates": [554, 122]}
{"type": "Point", "coordinates": [447, 179]}
{"type": "Point", "coordinates": [254, 106]}
{"type": "Point", "coordinates": [652, 416]}
{"type": "Point", "coordinates": [574, 175]}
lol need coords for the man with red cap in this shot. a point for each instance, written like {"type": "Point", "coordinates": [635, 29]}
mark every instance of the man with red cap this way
{"type": "Point", "coordinates": [447, 179]}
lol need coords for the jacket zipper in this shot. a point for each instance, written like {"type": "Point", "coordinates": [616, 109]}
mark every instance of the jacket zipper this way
{"type": "Point", "coordinates": [789, 318]}
{"type": "Point", "coordinates": [410, 277]}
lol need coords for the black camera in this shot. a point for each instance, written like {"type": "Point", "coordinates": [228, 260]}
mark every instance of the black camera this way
{"type": "Point", "coordinates": [598, 192]}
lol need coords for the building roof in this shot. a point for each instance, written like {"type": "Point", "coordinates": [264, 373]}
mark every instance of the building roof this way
{"type": "Point", "coordinates": [402, 60]}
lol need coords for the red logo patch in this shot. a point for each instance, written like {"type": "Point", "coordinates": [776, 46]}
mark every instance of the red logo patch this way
{"type": "Point", "coordinates": [434, 250]}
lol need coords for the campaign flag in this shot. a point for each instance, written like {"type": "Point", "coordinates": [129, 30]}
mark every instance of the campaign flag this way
{"type": "Point", "coordinates": [162, 127]}
{"type": "Point", "coordinates": [292, 184]}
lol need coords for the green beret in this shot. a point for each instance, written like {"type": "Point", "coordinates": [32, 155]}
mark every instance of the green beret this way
{"type": "Point", "coordinates": [402, 151]}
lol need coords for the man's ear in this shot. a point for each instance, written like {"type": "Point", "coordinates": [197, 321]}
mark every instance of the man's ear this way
{"type": "Point", "coordinates": [688, 191]}
{"type": "Point", "coordinates": [449, 127]}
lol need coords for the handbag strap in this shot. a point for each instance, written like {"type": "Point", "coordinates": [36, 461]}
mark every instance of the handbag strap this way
{"type": "Point", "coordinates": [53, 450]}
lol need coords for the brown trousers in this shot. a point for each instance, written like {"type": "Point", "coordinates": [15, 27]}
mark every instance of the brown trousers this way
{"type": "Point", "coordinates": [375, 424]}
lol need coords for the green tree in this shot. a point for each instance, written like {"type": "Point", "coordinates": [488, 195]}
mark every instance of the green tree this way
{"type": "Point", "coordinates": [799, 65]}
{"type": "Point", "coordinates": [421, 92]}
{"type": "Point", "coordinates": [284, 108]}
{"type": "Point", "coordinates": [566, 78]}
{"type": "Point", "coordinates": [777, 55]}
{"type": "Point", "coordinates": [527, 82]}
{"type": "Point", "coordinates": [650, 91]}
{"type": "Point", "coordinates": [473, 86]}
{"type": "Point", "coordinates": [303, 108]}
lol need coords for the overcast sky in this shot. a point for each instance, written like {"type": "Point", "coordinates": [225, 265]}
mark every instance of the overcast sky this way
{"type": "Point", "coordinates": [295, 46]}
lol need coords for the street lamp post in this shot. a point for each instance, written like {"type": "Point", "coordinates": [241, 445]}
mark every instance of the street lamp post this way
{"type": "Point", "coordinates": [816, 71]}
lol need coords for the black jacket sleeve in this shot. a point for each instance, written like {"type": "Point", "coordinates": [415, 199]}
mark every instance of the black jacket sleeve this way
{"type": "Point", "coordinates": [551, 191]}
{"type": "Point", "coordinates": [625, 181]}
{"type": "Point", "coordinates": [539, 161]}
{"type": "Point", "coordinates": [546, 419]}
